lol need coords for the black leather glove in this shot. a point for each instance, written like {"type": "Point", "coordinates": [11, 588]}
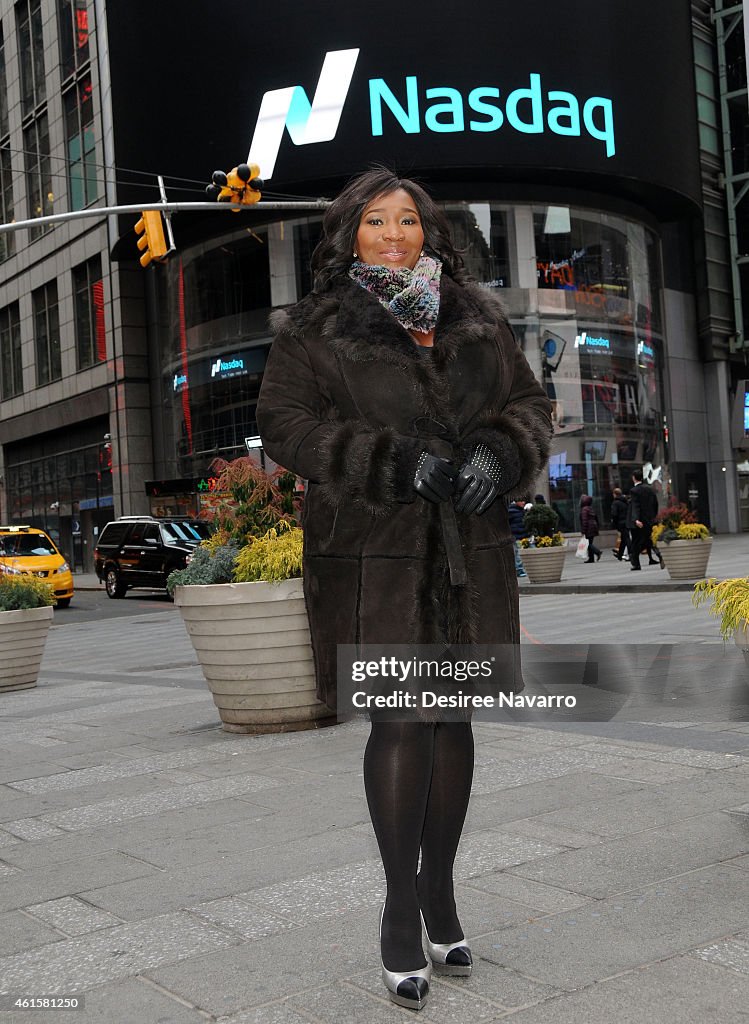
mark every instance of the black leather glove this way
{"type": "Point", "coordinates": [435, 477]}
{"type": "Point", "coordinates": [478, 481]}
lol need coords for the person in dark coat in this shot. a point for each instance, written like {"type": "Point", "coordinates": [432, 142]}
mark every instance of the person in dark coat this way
{"type": "Point", "coordinates": [397, 389]}
{"type": "Point", "coordinates": [619, 522]}
{"type": "Point", "coordinates": [641, 515]}
{"type": "Point", "coordinates": [516, 519]}
{"type": "Point", "coordinates": [589, 527]}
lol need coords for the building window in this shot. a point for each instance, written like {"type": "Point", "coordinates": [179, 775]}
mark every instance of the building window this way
{"type": "Point", "coordinates": [73, 19]}
{"type": "Point", "coordinates": [81, 148]}
{"type": "Point", "coordinates": [38, 170]}
{"type": "Point", "coordinates": [90, 332]}
{"type": "Point", "coordinates": [3, 90]}
{"type": "Point", "coordinates": [11, 370]}
{"type": "Point", "coordinates": [7, 243]}
{"type": "Point", "coordinates": [7, 240]}
{"type": "Point", "coordinates": [47, 334]}
{"type": "Point", "coordinates": [31, 54]}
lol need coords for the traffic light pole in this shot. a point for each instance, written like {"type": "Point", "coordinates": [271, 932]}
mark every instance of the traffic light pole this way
{"type": "Point", "coordinates": [166, 208]}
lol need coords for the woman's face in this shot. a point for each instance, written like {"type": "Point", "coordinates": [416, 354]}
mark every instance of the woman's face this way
{"type": "Point", "coordinates": [390, 232]}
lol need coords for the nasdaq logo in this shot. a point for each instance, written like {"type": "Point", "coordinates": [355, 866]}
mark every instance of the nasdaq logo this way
{"type": "Point", "coordinates": [222, 366]}
{"type": "Point", "coordinates": [306, 122]}
{"type": "Point", "coordinates": [530, 110]}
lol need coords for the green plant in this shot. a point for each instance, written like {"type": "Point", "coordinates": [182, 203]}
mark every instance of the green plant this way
{"type": "Point", "coordinates": [255, 502]}
{"type": "Point", "coordinates": [730, 602]}
{"type": "Point", "coordinates": [541, 521]}
{"type": "Point", "coordinates": [276, 556]}
{"type": "Point", "coordinates": [19, 593]}
{"type": "Point", "coordinates": [208, 565]}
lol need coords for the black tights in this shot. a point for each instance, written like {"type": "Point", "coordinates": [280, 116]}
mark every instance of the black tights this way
{"type": "Point", "coordinates": [417, 777]}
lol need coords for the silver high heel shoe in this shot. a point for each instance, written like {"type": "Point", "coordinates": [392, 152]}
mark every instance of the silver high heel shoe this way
{"type": "Point", "coordinates": [449, 957]}
{"type": "Point", "coordinates": [406, 988]}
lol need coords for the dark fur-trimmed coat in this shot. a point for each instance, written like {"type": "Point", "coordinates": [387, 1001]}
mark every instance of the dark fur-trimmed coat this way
{"type": "Point", "coordinates": [349, 401]}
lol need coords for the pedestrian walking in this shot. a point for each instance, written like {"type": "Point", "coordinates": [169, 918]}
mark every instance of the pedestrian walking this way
{"type": "Point", "coordinates": [589, 527]}
{"type": "Point", "coordinates": [515, 516]}
{"type": "Point", "coordinates": [619, 522]}
{"type": "Point", "coordinates": [641, 513]}
{"type": "Point", "coordinates": [397, 389]}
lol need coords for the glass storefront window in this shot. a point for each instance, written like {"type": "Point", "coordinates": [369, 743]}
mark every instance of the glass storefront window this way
{"type": "Point", "coordinates": [583, 293]}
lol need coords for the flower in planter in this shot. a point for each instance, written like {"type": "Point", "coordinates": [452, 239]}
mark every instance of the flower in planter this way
{"type": "Point", "coordinates": [556, 540]}
{"type": "Point", "coordinates": [540, 521]}
{"type": "Point", "coordinates": [677, 522]}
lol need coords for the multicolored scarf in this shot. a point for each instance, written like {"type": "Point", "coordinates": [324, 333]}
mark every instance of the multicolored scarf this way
{"type": "Point", "coordinates": [412, 296]}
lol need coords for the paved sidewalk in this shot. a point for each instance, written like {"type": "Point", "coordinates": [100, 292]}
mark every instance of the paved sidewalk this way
{"type": "Point", "coordinates": [169, 872]}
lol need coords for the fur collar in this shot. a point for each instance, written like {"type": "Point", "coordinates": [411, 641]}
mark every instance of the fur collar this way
{"type": "Point", "coordinates": [357, 326]}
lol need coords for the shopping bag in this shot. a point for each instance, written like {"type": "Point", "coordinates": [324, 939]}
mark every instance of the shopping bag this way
{"type": "Point", "coordinates": [582, 548]}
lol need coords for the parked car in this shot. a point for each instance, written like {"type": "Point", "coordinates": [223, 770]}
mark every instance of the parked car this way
{"type": "Point", "coordinates": [141, 551]}
{"type": "Point", "coordinates": [25, 550]}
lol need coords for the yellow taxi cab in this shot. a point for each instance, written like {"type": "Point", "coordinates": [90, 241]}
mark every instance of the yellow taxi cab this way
{"type": "Point", "coordinates": [24, 550]}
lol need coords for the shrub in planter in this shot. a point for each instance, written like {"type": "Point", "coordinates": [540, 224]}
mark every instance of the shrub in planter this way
{"type": "Point", "coordinates": [19, 593]}
{"type": "Point", "coordinates": [729, 603]}
{"type": "Point", "coordinates": [541, 521]}
{"type": "Point", "coordinates": [251, 631]}
{"type": "Point", "coordinates": [25, 614]}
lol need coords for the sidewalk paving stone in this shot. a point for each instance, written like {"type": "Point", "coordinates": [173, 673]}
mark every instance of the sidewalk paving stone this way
{"type": "Point", "coordinates": [77, 964]}
{"type": "Point", "coordinates": [170, 828]}
{"type": "Point", "coordinates": [486, 810]}
{"type": "Point", "coordinates": [70, 878]}
{"type": "Point", "coordinates": [538, 898]}
{"type": "Point", "coordinates": [623, 814]}
{"type": "Point", "coordinates": [628, 930]}
{"type": "Point", "coordinates": [640, 859]}
{"type": "Point", "coordinates": [671, 992]}
{"type": "Point", "coordinates": [733, 954]}
{"type": "Point", "coordinates": [18, 931]}
{"type": "Point", "coordinates": [271, 1013]}
{"type": "Point", "coordinates": [71, 916]}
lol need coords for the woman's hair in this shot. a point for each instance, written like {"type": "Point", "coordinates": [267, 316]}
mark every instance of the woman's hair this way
{"type": "Point", "coordinates": [334, 253]}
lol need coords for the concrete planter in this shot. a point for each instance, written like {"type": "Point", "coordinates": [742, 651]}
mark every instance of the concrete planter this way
{"type": "Point", "coordinates": [686, 559]}
{"type": "Point", "coordinates": [544, 565]}
{"type": "Point", "coordinates": [254, 646]}
{"type": "Point", "coordinates": [22, 638]}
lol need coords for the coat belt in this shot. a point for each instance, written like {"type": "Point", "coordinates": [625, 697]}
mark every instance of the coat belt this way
{"type": "Point", "coordinates": [440, 444]}
{"type": "Point", "coordinates": [453, 550]}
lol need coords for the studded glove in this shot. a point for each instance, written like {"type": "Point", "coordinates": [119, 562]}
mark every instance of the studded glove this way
{"type": "Point", "coordinates": [435, 477]}
{"type": "Point", "coordinates": [478, 481]}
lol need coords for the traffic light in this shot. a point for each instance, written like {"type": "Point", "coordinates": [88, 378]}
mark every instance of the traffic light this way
{"type": "Point", "coordinates": [242, 185]}
{"type": "Point", "coordinates": [151, 237]}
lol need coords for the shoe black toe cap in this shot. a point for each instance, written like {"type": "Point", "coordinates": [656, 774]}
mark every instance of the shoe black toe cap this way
{"type": "Point", "coordinates": [415, 989]}
{"type": "Point", "coordinates": [460, 957]}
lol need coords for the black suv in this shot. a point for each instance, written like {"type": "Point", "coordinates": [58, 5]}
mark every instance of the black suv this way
{"type": "Point", "coordinates": [140, 551]}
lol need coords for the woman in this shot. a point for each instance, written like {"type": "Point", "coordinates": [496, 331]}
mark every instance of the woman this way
{"type": "Point", "coordinates": [399, 392]}
{"type": "Point", "coordinates": [589, 527]}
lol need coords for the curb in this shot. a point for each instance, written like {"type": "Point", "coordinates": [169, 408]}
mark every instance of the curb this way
{"type": "Point", "coordinates": [603, 588]}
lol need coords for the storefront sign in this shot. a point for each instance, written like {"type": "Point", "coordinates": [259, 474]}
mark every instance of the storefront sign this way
{"type": "Point", "coordinates": [440, 108]}
{"type": "Point", "coordinates": [585, 340]}
{"type": "Point", "coordinates": [232, 367]}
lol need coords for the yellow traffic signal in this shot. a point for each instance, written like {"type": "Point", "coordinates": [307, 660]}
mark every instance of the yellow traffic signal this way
{"type": "Point", "coordinates": [151, 231]}
{"type": "Point", "coordinates": [241, 184]}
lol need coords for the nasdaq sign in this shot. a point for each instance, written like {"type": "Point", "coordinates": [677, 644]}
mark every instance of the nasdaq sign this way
{"type": "Point", "coordinates": [530, 110]}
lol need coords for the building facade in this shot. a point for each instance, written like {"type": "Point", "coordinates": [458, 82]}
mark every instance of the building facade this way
{"type": "Point", "coordinates": [587, 193]}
